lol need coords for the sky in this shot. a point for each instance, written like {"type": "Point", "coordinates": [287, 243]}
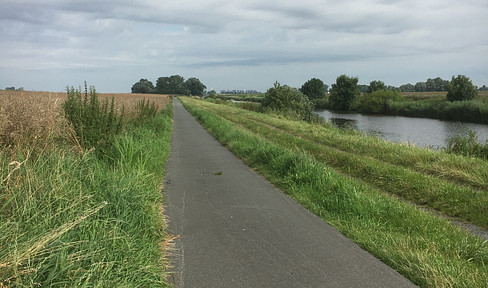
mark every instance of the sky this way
{"type": "Point", "coordinates": [46, 45]}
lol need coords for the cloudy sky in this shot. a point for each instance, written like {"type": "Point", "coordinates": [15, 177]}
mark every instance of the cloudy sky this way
{"type": "Point", "coordinates": [229, 44]}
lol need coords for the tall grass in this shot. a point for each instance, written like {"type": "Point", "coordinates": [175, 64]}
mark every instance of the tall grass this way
{"type": "Point", "coordinates": [468, 145]}
{"type": "Point", "coordinates": [96, 124]}
{"type": "Point", "coordinates": [69, 219]}
{"type": "Point", "coordinates": [428, 250]}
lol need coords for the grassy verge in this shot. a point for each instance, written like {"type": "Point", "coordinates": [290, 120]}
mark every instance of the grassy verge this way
{"type": "Point", "coordinates": [70, 219]}
{"type": "Point", "coordinates": [453, 185]}
{"type": "Point", "coordinates": [429, 251]}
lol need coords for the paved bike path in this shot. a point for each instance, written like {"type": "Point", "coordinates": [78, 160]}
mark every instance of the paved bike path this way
{"type": "Point", "coordinates": [237, 230]}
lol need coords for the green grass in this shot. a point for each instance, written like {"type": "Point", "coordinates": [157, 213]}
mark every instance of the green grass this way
{"type": "Point", "coordinates": [71, 220]}
{"type": "Point", "coordinates": [453, 185]}
{"type": "Point", "coordinates": [428, 250]}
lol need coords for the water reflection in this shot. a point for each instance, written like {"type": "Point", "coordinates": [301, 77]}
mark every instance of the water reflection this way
{"type": "Point", "coordinates": [344, 123]}
{"type": "Point", "coordinates": [422, 132]}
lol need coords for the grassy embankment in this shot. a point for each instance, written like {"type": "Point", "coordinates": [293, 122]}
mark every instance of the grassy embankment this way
{"type": "Point", "coordinates": [349, 181]}
{"type": "Point", "coordinates": [70, 216]}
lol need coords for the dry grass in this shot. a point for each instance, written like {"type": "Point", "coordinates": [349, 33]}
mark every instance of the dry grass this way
{"type": "Point", "coordinates": [29, 118]}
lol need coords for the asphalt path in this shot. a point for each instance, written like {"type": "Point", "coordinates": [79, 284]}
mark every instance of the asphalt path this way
{"type": "Point", "coordinates": [235, 229]}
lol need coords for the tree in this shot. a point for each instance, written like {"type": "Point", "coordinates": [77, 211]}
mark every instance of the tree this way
{"type": "Point", "coordinates": [314, 89]}
{"type": "Point", "coordinates": [376, 85]}
{"type": "Point", "coordinates": [460, 88]}
{"type": "Point", "coordinates": [143, 86]}
{"type": "Point", "coordinates": [407, 88]}
{"type": "Point", "coordinates": [344, 92]}
{"type": "Point", "coordinates": [195, 86]}
{"type": "Point", "coordinates": [420, 87]}
{"type": "Point", "coordinates": [289, 100]}
{"type": "Point", "coordinates": [174, 84]}
{"type": "Point", "coordinates": [483, 88]}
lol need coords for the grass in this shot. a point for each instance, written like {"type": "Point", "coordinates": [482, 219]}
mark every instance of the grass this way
{"type": "Point", "coordinates": [428, 250]}
{"type": "Point", "coordinates": [69, 218]}
{"type": "Point", "coordinates": [451, 184]}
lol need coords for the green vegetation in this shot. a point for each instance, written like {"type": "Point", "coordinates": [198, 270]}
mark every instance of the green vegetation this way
{"type": "Point", "coordinates": [313, 88]}
{"type": "Point", "coordinates": [344, 92]}
{"type": "Point", "coordinates": [287, 100]}
{"type": "Point", "coordinates": [348, 180]}
{"type": "Point", "coordinates": [95, 124]}
{"type": "Point", "coordinates": [378, 101]}
{"type": "Point", "coordinates": [143, 86]}
{"type": "Point", "coordinates": [460, 88]}
{"type": "Point", "coordinates": [174, 84]}
{"type": "Point", "coordinates": [70, 218]}
{"type": "Point", "coordinates": [468, 146]}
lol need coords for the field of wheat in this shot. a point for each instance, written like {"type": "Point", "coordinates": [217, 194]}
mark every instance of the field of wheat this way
{"type": "Point", "coordinates": [31, 118]}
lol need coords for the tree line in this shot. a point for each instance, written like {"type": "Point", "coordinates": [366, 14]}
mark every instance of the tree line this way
{"type": "Point", "coordinates": [174, 84]}
{"type": "Point", "coordinates": [376, 98]}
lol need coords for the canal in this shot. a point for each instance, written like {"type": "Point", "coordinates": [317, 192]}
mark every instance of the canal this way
{"type": "Point", "coordinates": [422, 132]}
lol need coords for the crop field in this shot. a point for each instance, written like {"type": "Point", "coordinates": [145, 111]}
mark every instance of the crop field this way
{"type": "Point", "coordinates": [72, 217]}
{"type": "Point", "coordinates": [27, 116]}
{"type": "Point", "coordinates": [392, 199]}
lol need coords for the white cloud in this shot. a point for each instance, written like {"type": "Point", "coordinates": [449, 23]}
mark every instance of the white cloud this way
{"type": "Point", "coordinates": [263, 41]}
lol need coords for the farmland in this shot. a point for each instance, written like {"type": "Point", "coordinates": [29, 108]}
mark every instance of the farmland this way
{"type": "Point", "coordinates": [71, 216]}
{"type": "Point", "coordinates": [391, 199]}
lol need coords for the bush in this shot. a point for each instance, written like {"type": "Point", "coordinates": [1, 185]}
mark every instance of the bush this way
{"type": "Point", "coordinates": [378, 102]}
{"type": "Point", "coordinates": [460, 88]}
{"type": "Point", "coordinates": [95, 124]}
{"type": "Point", "coordinates": [289, 101]}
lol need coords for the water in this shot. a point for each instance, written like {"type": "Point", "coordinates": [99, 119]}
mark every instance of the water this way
{"type": "Point", "coordinates": [422, 132]}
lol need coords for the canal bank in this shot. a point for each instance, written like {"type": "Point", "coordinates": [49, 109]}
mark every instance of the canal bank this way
{"type": "Point", "coordinates": [422, 132]}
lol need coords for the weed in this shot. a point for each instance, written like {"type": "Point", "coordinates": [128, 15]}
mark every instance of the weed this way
{"type": "Point", "coordinates": [95, 124]}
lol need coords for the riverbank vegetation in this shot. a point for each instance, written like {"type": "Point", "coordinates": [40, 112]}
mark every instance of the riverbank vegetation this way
{"type": "Point", "coordinates": [364, 186]}
{"type": "Point", "coordinates": [77, 210]}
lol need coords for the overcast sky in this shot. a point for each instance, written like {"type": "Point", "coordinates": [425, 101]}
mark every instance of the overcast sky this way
{"type": "Point", "coordinates": [228, 44]}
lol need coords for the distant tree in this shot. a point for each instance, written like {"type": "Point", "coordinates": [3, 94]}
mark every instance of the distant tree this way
{"type": "Point", "coordinates": [460, 88]}
{"type": "Point", "coordinates": [407, 88]}
{"type": "Point", "coordinates": [212, 93]}
{"type": "Point", "coordinates": [314, 89]}
{"type": "Point", "coordinates": [420, 87]}
{"type": "Point", "coordinates": [344, 92]}
{"type": "Point", "coordinates": [143, 86]}
{"type": "Point", "coordinates": [326, 88]}
{"type": "Point", "coordinates": [436, 84]}
{"type": "Point", "coordinates": [174, 84]}
{"type": "Point", "coordinates": [362, 88]}
{"type": "Point", "coordinates": [195, 86]}
{"type": "Point", "coordinates": [483, 88]}
{"type": "Point", "coordinates": [376, 85]}
{"type": "Point", "coordinates": [289, 100]}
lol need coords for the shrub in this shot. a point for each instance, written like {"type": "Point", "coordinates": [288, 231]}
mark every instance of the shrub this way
{"type": "Point", "coordinates": [378, 101]}
{"type": "Point", "coordinates": [289, 101]}
{"type": "Point", "coordinates": [460, 88]}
